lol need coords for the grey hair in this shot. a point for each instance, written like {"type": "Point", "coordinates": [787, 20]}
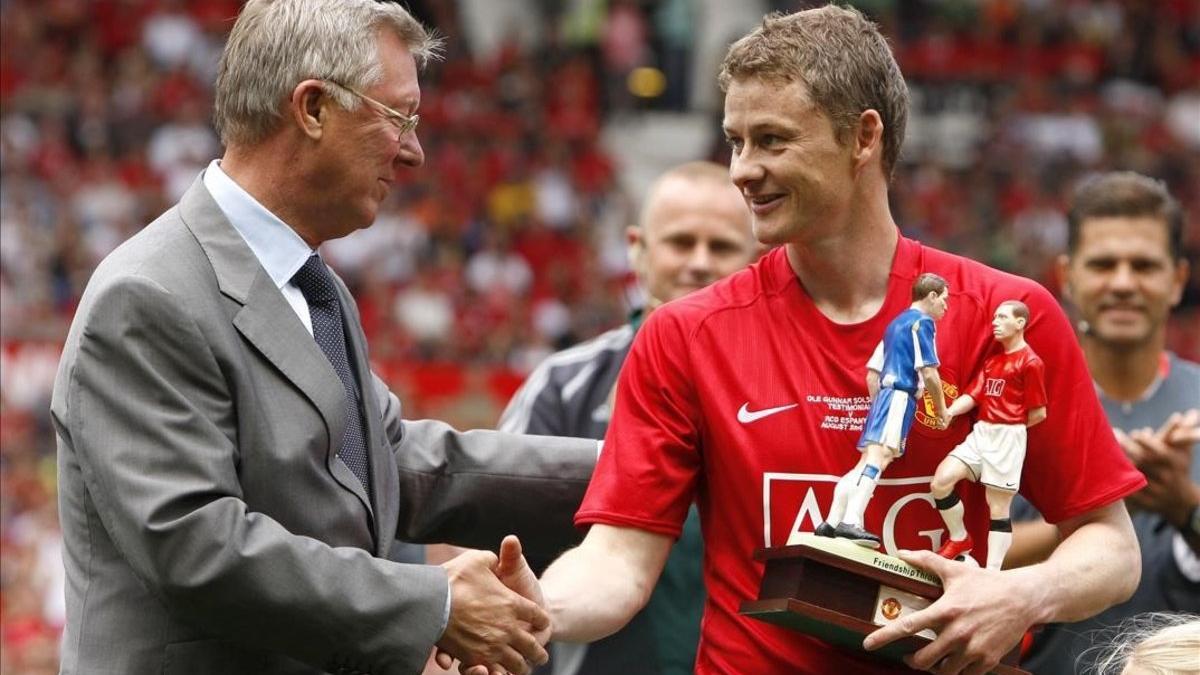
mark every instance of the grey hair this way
{"type": "Point", "coordinates": [276, 44]}
{"type": "Point", "coordinates": [1157, 643]}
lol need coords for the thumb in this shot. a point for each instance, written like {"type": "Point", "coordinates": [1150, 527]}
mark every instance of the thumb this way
{"type": "Point", "coordinates": [511, 559]}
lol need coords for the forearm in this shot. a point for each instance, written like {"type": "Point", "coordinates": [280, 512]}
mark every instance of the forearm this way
{"type": "Point", "coordinates": [585, 606]}
{"type": "Point", "coordinates": [593, 590]}
{"type": "Point", "coordinates": [933, 385]}
{"type": "Point", "coordinates": [471, 488]}
{"type": "Point", "coordinates": [1036, 416]}
{"type": "Point", "coordinates": [961, 406]}
{"type": "Point", "coordinates": [1033, 541]}
{"type": "Point", "coordinates": [1096, 566]}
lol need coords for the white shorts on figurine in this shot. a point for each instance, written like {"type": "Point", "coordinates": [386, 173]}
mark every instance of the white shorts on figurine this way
{"type": "Point", "coordinates": [994, 453]}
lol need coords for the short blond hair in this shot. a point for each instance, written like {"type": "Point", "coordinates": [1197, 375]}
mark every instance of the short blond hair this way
{"type": "Point", "coordinates": [276, 44]}
{"type": "Point", "coordinates": [841, 58]}
{"type": "Point", "coordinates": [699, 171]}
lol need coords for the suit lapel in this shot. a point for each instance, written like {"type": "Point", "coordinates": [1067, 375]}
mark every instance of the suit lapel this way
{"type": "Point", "coordinates": [383, 463]}
{"type": "Point", "coordinates": [266, 321]}
{"type": "Point", "coordinates": [269, 323]}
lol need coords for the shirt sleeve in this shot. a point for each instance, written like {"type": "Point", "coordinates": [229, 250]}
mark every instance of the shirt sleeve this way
{"type": "Point", "coordinates": [652, 446]}
{"type": "Point", "coordinates": [926, 343]}
{"type": "Point", "coordinates": [875, 363]}
{"type": "Point", "coordinates": [1035, 385]}
{"type": "Point", "coordinates": [1073, 464]}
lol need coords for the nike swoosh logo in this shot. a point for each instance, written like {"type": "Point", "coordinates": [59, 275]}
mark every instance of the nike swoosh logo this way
{"type": "Point", "coordinates": [746, 416]}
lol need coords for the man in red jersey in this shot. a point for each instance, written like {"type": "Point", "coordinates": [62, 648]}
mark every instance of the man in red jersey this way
{"type": "Point", "coordinates": [748, 396]}
{"type": "Point", "coordinates": [1011, 394]}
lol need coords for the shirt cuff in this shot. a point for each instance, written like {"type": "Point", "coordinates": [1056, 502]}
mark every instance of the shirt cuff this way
{"type": "Point", "coordinates": [599, 449]}
{"type": "Point", "coordinates": [446, 614]}
{"type": "Point", "coordinates": [1185, 558]}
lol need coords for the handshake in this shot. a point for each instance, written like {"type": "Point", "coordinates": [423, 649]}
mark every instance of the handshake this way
{"type": "Point", "coordinates": [498, 621]}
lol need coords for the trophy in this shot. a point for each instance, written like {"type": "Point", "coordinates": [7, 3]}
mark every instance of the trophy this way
{"type": "Point", "coordinates": [839, 591]}
{"type": "Point", "coordinates": [834, 584]}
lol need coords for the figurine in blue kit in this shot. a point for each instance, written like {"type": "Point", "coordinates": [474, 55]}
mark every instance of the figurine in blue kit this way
{"type": "Point", "coordinates": [905, 361]}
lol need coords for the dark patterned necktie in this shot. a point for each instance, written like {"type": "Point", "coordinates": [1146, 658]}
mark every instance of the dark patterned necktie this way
{"type": "Point", "coordinates": [320, 290]}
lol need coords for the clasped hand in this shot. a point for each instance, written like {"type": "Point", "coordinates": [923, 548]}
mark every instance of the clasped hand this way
{"type": "Point", "coordinates": [498, 623]}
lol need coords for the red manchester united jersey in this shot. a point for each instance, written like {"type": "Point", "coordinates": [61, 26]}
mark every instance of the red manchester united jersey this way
{"type": "Point", "coordinates": [748, 400]}
{"type": "Point", "coordinates": [1009, 386]}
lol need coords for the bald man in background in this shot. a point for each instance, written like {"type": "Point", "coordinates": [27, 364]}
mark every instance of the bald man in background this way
{"type": "Point", "coordinates": [694, 228]}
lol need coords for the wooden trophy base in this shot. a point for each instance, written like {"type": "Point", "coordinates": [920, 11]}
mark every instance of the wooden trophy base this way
{"type": "Point", "coordinates": [839, 592]}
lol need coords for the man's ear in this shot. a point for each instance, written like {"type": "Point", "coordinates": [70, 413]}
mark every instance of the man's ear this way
{"type": "Point", "coordinates": [308, 108]}
{"type": "Point", "coordinates": [868, 137]}
{"type": "Point", "coordinates": [1182, 269]}
{"type": "Point", "coordinates": [1062, 274]}
{"type": "Point", "coordinates": [635, 239]}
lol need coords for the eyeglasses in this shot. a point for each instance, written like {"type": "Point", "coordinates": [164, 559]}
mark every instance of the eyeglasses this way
{"type": "Point", "coordinates": [403, 123]}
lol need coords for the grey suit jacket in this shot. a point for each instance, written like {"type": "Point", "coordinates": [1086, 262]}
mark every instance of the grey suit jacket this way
{"type": "Point", "coordinates": [209, 525]}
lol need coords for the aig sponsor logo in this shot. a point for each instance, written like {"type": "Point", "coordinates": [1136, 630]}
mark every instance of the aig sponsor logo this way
{"type": "Point", "coordinates": [901, 511]}
{"type": "Point", "coordinates": [994, 386]}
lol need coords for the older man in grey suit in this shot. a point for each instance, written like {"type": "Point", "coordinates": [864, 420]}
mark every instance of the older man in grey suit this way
{"type": "Point", "coordinates": [231, 472]}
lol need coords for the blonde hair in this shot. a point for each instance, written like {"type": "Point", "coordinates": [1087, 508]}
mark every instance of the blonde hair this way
{"type": "Point", "coordinates": [276, 44]}
{"type": "Point", "coordinates": [841, 58]}
{"type": "Point", "coordinates": [1154, 643]}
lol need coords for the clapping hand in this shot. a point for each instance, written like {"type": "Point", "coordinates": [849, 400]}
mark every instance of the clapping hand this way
{"type": "Point", "coordinates": [1164, 456]}
{"type": "Point", "coordinates": [513, 572]}
{"type": "Point", "coordinates": [497, 623]}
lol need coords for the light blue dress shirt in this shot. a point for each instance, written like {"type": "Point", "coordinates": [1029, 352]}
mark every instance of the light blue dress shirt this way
{"type": "Point", "coordinates": [278, 248]}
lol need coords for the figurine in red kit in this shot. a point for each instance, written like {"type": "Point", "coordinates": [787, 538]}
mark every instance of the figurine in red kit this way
{"type": "Point", "coordinates": [1011, 396]}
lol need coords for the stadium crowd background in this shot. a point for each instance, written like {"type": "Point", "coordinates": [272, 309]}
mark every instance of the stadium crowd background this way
{"type": "Point", "coordinates": [509, 243]}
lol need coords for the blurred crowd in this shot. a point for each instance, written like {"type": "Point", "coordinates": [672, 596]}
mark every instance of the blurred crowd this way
{"type": "Point", "coordinates": [509, 244]}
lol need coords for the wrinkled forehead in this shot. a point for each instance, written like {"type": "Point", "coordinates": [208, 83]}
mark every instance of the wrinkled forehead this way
{"type": "Point", "coordinates": [399, 86]}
